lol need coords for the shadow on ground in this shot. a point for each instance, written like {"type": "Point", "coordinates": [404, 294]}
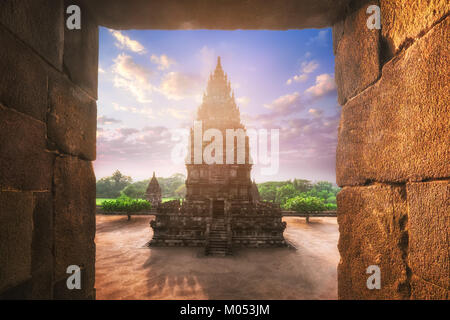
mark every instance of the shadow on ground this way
{"type": "Point", "coordinates": [126, 269]}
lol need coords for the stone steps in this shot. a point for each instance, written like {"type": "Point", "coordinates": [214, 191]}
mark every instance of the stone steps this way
{"type": "Point", "coordinates": [218, 238]}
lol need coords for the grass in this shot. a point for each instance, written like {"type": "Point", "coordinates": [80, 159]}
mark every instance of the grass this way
{"type": "Point", "coordinates": [99, 201]}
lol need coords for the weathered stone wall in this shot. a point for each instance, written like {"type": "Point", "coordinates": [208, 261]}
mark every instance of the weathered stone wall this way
{"type": "Point", "coordinates": [392, 157]}
{"type": "Point", "coordinates": [48, 91]}
{"type": "Point", "coordinates": [393, 150]}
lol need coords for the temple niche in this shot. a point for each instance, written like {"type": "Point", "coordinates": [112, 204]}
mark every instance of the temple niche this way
{"type": "Point", "coordinates": [222, 208]}
{"type": "Point", "coordinates": [153, 193]}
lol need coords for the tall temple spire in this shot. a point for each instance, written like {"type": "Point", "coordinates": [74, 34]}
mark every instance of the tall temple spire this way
{"type": "Point", "coordinates": [219, 65]}
{"type": "Point", "coordinates": [218, 100]}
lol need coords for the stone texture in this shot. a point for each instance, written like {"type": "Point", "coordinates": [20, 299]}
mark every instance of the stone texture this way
{"type": "Point", "coordinates": [23, 80]}
{"type": "Point", "coordinates": [404, 21]}
{"type": "Point", "coordinates": [74, 224]}
{"type": "Point", "coordinates": [397, 129]}
{"type": "Point", "coordinates": [372, 221]}
{"type": "Point", "coordinates": [24, 162]}
{"type": "Point", "coordinates": [81, 53]}
{"type": "Point", "coordinates": [428, 226]}
{"type": "Point", "coordinates": [72, 121]}
{"type": "Point", "coordinates": [228, 14]}
{"type": "Point", "coordinates": [39, 23]}
{"type": "Point", "coordinates": [357, 49]}
{"type": "Point", "coordinates": [42, 246]}
{"type": "Point", "coordinates": [16, 226]}
{"type": "Point", "coordinates": [423, 290]}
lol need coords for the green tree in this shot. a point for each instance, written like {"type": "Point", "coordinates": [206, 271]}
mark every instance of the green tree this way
{"type": "Point", "coordinates": [267, 192]}
{"type": "Point", "coordinates": [126, 205]}
{"type": "Point", "coordinates": [181, 191]}
{"type": "Point", "coordinates": [110, 187]}
{"type": "Point", "coordinates": [286, 192]}
{"type": "Point", "coordinates": [301, 204]}
{"type": "Point", "coordinates": [302, 185]}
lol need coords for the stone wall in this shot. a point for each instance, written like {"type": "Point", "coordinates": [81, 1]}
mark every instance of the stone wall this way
{"type": "Point", "coordinates": [393, 150]}
{"type": "Point", "coordinates": [48, 92]}
{"type": "Point", "coordinates": [392, 157]}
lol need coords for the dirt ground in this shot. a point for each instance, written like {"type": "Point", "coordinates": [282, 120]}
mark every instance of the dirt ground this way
{"type": "Point", "coordinates": [127, 269]}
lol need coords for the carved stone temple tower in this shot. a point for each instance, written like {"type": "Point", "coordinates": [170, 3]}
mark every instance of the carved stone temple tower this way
{"type": "Point", "coordinates": [153, 193]}
{"type": "Point", "coordinates": [222, 209]}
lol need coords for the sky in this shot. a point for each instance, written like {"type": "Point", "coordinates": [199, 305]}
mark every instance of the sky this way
{"type": "Point", "coordinates": [151, 83]}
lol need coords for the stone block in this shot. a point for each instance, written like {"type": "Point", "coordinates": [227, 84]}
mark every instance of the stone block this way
{"type": "Point", "coordinates": [372, 222]}
{"type": "Point", "coordinates": [38, 23]}
{"type": "Point", "coordinates": [23, 80]}
{"type": "Point", "coordinates": [428, 227]}
{"type": "Point", "coordinates": [74, 223]}
{"type": "Point", "coordinates": [423, 290]}
{"type": "Point", "coordinates": [357, 49]}
{"type": "Point", "coordinates": [24, 162]}
{"type": "Point", "coordinates": [42, 246]}
{"type": "Point", "coordinates": [397, 129]}
{"type": "Point", "coordinates": [16, 232]}
{"type": "Point", "coordinates": [404, 21]}
{"type": "Point", "coordinates": [81, 52]}
{"type": "Point", "coordinates": [72, 121]}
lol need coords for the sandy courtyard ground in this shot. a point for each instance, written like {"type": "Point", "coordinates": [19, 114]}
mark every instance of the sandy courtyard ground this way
{"type": "Point", "coordinates": [126, 269]}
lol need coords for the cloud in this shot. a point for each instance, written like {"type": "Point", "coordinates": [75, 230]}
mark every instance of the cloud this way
{"type": "Point", "coordinates": [180, 114]}
{"type": "Point", "coordinates": [321, 38]}
{"type": "Point", "coordinates": [133, 145]}
{"type": "Point", "coordinates": [243, 101]}
{"type": "Point", "coordinates": [324, 85]}
{"type": "Point", "coordinates": [315, 112]}
{"type": "Point", "coordinates": [297, 78]}
{"type": "Point", "coordinates": [101, 70]}
{"type": "Point", "coordinates": [284, 103]}
{"type": "Point", "coordinates": [177, 85]}
{"type": "Point", "coordinates": [124, 42]}
{"type": "Point", "coordinates": [163, 61]}
{"type": "Point", "coordinates": [104, 120]}
{"type": "Point", "coordinates": [132, 77]}
{"type": "Point", "coordinates": [145, 111]}
{"type": "Point", "coordinates": [306, 68]}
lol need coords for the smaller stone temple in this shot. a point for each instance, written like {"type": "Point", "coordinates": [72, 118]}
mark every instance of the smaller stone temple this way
{"type": "Point", "coordinates": [153, 193]}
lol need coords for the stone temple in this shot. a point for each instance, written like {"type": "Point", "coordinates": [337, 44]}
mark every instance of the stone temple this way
{"type": "Point", "coordinates": [222, 208]}
{"type": "Point", "coordinates": [153, 193]}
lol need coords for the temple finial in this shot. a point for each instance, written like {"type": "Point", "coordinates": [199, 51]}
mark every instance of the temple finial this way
{"type": "Point", "coordinates": [153, 174]}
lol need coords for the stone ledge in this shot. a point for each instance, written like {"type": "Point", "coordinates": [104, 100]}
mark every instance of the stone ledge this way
{"type": "Point", "coordinates": [231, 14]}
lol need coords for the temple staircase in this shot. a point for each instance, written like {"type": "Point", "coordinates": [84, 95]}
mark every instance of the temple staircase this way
{"type": "Point", "coordinates": [218, 238]}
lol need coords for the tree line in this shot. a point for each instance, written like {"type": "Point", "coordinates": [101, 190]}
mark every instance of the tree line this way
{"type": "Point", "coordinates": [118, 184]}
{"type": "Point", "coordinates": [296, 195]}
{"type": "Point", "coordinates": [300, 194]}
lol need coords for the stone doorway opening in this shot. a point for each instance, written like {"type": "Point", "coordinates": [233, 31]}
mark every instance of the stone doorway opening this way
{"type": "Point", "coordinates": [218, 209]}
{"type": "Point", "coordinates": [309, 65]}
{"type": "Point", "coordinates": [48, 95]}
